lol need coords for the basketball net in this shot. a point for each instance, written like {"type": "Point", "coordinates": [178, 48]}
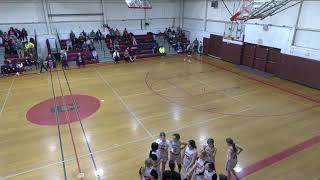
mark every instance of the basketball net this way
{"type": "Point", "coordinates": [245, 8]}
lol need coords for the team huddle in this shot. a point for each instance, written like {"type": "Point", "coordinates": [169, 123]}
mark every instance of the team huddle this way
{"type": "Point", "coordinates": [197, 165]}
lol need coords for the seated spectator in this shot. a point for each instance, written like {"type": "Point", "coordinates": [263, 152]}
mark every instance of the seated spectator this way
{"type": "Point", "coordinates": [19, 68]}
{"type": "Point", "coordinates": [132, 55]}
{"type": "Point", "coordinates": [98, 35]}
{"type": "Point", "coordinates": [171, 174]}
{"type": "Point", "coordinates": [5, 69]}
{"type": "Point", "coordinates": [125, 33]}
{"type": "Point", "coordinates": [162, 51]}
{"type": "Point", "coordinates": [112, 32]}
{"type": "Point", "coordinates": [80, 60]}
{"type": "Point", "coordinates": [84, 33]}
{"type": "Point", "coordinates": [82, 38]}
{"type": "Point", "coordinates": [116, 43]}
{"type": "Point", "coordinates": [116, 56]}
{"type": "Point", "coordinates": [12, 32]}
{"type": "Point", "coordinates": [126, 54]}
{"type": "Point", "coordinates": [117, 33]}
{"type": "Point", "coordinates": [85, 46]}
{"type": "Point", "coordinates": [69, 44]}
{"type": "Point", "coordinates": [92, 35]}
{"type": "Point", "coordinates": [94, 54]}
{"type": "Point", "coordinates": [134, 41]}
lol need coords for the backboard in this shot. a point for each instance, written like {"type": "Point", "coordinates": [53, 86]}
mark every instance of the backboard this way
{"type": "Point", "coordinates": [139, 4]}
{"type": "Point", "coordinates": [234, 32]}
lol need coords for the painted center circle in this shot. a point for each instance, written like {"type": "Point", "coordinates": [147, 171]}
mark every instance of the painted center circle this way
{"type": "Point", "coordinates": [65, 108]}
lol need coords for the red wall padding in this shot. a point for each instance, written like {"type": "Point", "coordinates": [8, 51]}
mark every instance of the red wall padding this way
{"type": "Point", "coordinates": [231, 52]}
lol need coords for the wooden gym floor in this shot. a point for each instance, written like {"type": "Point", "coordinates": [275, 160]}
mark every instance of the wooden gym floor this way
{"type": "Point", "coordinates": [275, 121]}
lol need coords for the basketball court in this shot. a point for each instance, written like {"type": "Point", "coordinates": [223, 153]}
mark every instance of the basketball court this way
{"type": "Point", "coordinates": [98, 122]}
{"type": "Point", "coordinates": [124, 107]}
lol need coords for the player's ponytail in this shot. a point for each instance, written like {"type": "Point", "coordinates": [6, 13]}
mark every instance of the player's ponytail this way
{"type": "Point", "coordinates": [231, 142]}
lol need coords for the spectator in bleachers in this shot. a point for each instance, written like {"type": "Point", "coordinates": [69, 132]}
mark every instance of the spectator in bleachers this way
{"type": "Point", "coordinates": [126, 54]}
{"type": "Point", "coordinates": [179, 48]}
{"type": "Point", "coordinates": [24, 35]}
{"type": "Point", "coordinates": [84, 33]}
{"type": "Point", "coordinates": [85, 46]}
{"type": "Point", "coordinates": [112, 32]}
{"type": "Point", "coordinates": [169, 30]}
{"type": "Point", "coordinates": [69, 44]}
{"type": "Point", "coordinates": [92, 35]}
{"type": "Point", "coordinates": [20, 49]}
{"type": "Point", "coordinates": [116, 56]}
{"type": "Point", "coordinates": [72, 37]}
{"type": "Point", "coordinates": [134, 41]}
{"type": "Point", "coordinates": [98, 35]}
{"type": "Point", "coordinates": [116, 43]}
{"type": "Point", "coordinates": [125, 33]}
{"type": "Point", "coordinates": [195, 44]}
{"type": "Point", "coordinates": [117, 33]}
{"type": "Point", "coordinates": [82, 38]}
{"type": "Point", "coordinates": [29, 46]}
{"type": "Point", "coordinates": [12, 32]}
{"type": "Point", "coordinates": [162, 51]}
{"type": "Point", "coordinates": [132, 54]}
{"type": "Point", "coordinates": [94, 54]}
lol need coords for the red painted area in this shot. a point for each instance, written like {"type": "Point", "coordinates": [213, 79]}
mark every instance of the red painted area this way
{"type": "Point", "coordinates": [43, 113]}
{"type": "Point", "coordinates": [279, 156]}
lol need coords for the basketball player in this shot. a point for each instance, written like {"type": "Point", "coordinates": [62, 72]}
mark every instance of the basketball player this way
{"type": "Point", "coordinates": [210, 172]}
{"type": "Point", "coordinates": [199, 167]}
{"type": "Point", "coordinates": [164, 145]}
{"type": "Point", "coordinates": [147, 172]}
{"type": "Point", "coordinates": [189, 157]}
{"type": "Point", "coordinates": [155, 156]}
{"type": "Point", "coordinates": [232, 157]}
{"type": "Point", "coordinates": [211, 150]}
{"type": "Point", "coordinates": [175, 149]}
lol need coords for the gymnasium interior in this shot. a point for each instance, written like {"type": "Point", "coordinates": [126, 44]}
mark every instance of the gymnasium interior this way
{"type": "Point", "coordinates": [88, 86]}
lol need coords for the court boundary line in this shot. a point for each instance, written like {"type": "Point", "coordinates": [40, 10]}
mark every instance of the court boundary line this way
{"type": "Point", "coordinates": [82, 127]}
{"type": "Point", "coordinates": [7, 97]}
{"type": "Point", "coordinates": [124, 104]}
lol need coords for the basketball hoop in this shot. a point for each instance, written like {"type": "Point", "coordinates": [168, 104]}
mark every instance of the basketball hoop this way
{"type": "Point", "coordinates": [244, 9]}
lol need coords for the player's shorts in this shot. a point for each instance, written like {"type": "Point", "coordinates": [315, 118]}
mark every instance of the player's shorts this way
{"type": "Point", "coordinates": [231, 164]}
{"type": "Point", "coordinates": [176, 158]}
{"type": "Point", "coordinates": [163, 157]}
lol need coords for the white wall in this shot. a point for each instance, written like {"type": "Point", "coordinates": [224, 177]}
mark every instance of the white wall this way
{"type": "Point", "coordinates": [281, 33]}
{"type": "Point", "coordinates": [78, 15]}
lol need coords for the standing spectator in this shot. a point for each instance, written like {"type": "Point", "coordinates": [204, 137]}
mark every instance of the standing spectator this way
{"type": "Point", "coordinates": [80, 60]}
{"type": "Point", "coordinates": [116, 56]}
{"type": "Point", "coordinates": [50, 62]}
{"type": "Point", "coordinates": [24, 35]}
{"type": "Point", "coordinates": [72, 37]}
{"type": "Point", "coordinates": [29, 47]}
{"type": "Point", "coordinates": [162, 51]}
{"type": "Point", "coordinates": [200, 49]}
{"type": "Point", "coordinates": [69, 44]}
{"type": "Point", "coordinates": [117, 33]}
{"type": "Point", "coordinates": [154, 47]}
{"type": "Point", "coordinates": [232, 157]}
{"type": "Point", "coordinates": [171, 174]}
{"type": "Point", "coordinates": [84, 33]}
{"type": "Point", "coordinates": [98, 35]}
{"type": "Point", "coordinates": [92, 35]}
{"type": "Point", "coordinates": [42, 64]}
{"type": "Point", "coordinates": [64, 59]}
{"type": "Point", "coordinates": [195, 44]}
{"type": "Point", "coordinates": [20, 49]}
{"type": "Point", "coordinates": [125, 33]}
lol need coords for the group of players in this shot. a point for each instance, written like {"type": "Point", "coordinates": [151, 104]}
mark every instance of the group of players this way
{"type": "Point", "coordinates": [197, 165]}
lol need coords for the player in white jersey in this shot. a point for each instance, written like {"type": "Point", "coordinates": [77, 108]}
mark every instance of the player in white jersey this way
{"type": "Point", "coordinates": [189, 157]}
{"type": "Point", "coordinates": [148, 172]}
{"type": "Point", "coordinates": [211, 150]}
{"type": "Point", "coordinates": [199, 167]}
{"type": "Point", "coordinates": [232, 157]}
{"type": "Point", "coordinates": [164, 145]}
{"type": "Point", "coordinates": [210, 172]}
{"type": "Point", "coordinates": [175, 150]}
{"type": "Point", "coordinates": [155, 156]}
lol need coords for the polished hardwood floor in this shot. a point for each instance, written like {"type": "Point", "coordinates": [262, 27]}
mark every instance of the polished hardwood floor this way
{"type": "Point", "coordinates": [275, 121]}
